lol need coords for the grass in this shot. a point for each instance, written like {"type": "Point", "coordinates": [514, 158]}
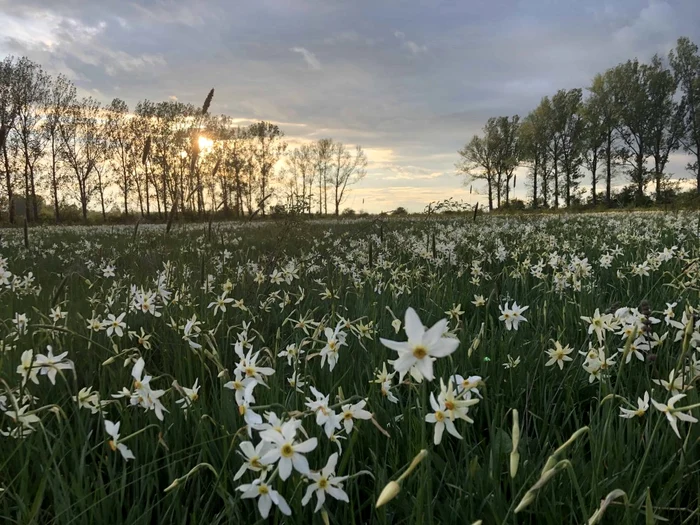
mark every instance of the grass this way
{"type": "Point", "coordinates": [64, 472]}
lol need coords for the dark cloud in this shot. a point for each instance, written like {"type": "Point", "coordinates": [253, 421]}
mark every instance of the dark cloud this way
{"type": "Point", "coordinates": [410, 80]}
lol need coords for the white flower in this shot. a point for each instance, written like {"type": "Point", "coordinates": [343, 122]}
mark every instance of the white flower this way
{"type": "Point", "coordinates": [191, 395]}
{"type": "Point", "coordinates": [266, 497]}
{"type": "Point", "coordinates": [352, 412]}
{"type": "Point", "coordinates": [50, 364]}
{"type": "Point", "coordinates": [673, 414]}
{"type": "Point", "coordinates": [558, 355]}
{"type": "Point", "coordinates": [325, 416]}
{"type": "Point", "coordinates": [325, 482]}
{"type": "Point", "coordinates": [252, 456]}
{"type": "Point", "coordinates": [675, 384]}
{"type": "Point", "coordinates": [115, 324]}
{"type": "Point", "coordinates": [422, 348]}
{"type": "Point", "coordinates": [335, 339]}
{"type": "Point", "coordinates": [441, 420]}
{"type": "Point", "coordinates": [28, 369]}
{"type": "Point", "coordinates": [286, 450]}
{"type": "Point", "coordinates": [599, 324]}
{"type": "Point", "coordinates": [642, 407]}
{"type": "Point", "coordinates": [113, 430]}
{"type": "Point", "coordinates": [512, 316]}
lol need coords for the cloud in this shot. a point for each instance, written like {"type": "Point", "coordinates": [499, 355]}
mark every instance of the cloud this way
{"type": "Point", "coordinates": [411, 86]}
{"type": "Point", "coordinates": [60, 40]}
{"type": "Point", "coordinates": [309, 57]}
{"type": "Point", "coordinates": [409, 44]}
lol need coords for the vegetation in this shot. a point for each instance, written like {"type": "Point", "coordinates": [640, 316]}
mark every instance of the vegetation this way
{"type": "Point", "coordinates": [240, 371]}
{"type": "Point", "coordinates": [634, 118]}
{"type": "Point", "coordinates": [163, 159]}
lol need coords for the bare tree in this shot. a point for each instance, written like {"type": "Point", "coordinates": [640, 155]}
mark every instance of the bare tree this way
{"type": "Point", "coordinates": [84, 147]}
{"type": "Point", "coordinates": [477, 164]}
{"type": "Point", "coordinates": [324, 155]}
{"type": "Point", "coordinates": [268, 147]}
{"type": "Point", "coordinates": [346, 169]}
{"type": "Point", "coordinates": [31, 93]}
{"type": "Point", "coordinates": [8, 113]}
{"type": "Point", "coordinates": [122, 151]}
{"type": "Point", "coordinates": [61, 97]}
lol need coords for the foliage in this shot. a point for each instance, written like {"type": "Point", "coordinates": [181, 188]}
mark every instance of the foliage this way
{"type": "Point", "coordinates": [570, 320]}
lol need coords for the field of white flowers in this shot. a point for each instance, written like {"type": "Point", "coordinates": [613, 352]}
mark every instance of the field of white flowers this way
{"type": "Point", "coordinates": [504, 370]}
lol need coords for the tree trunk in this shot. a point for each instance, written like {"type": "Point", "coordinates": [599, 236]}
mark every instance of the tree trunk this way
{"type": "Point", "coordinates": [27, 214]}
{"type": "Point", "coordinates": [490, 185]}
{"type": "Point", "coordinates": [556, 184]}
{"type": "Point", "coordinates": [498, 190]}
{"type": "Point", "coordinates": [148, 196]}
{"type": "Point", "coordinates": [534, 183]}
{"type": "Point", "coordinates": [8, 180]}
{"type": "Point", "coordinates": [608, 170]}
{"type": "Point", "coordinates": [35, 202]}
{"type": "Point", "coordinates": [54, 181]}
{"type": "Point", "coordinates": [594, 177]}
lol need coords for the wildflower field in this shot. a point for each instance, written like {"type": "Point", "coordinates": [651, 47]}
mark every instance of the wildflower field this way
{"type": "Point", "coordinates": [539, 369]}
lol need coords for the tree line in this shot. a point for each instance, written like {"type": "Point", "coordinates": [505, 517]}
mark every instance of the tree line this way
{"type": "Point", "coordinates": [633, 117]}
{"type": "Point", "coordinates": [160, 159]}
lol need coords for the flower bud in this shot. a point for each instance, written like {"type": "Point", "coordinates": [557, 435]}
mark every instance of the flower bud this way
{"type": "Point", "coordinates": [390, 492]}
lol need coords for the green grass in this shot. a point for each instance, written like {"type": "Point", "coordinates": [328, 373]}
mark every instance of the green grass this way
{"type": "Point", "coordinates": [65, 472]}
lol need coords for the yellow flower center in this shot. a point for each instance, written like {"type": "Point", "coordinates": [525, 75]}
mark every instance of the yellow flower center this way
{"type": "Point", "coordinates": [439, 415]}
{"type": "Point", "coordinates": [287, 450]}
{"type": "Point", "coordinates": [112, 445]}
{"type": "Point", "coordinates": [419, 352]}
{"type": "Point", "coordinates": [449, 405]}
{"type": "Point", "coordinates": [262, 489]}
{"type": "Point", "coordinates": [255, 462]}
{"type": "Point", "coordinates": [347, 415]}
{"type": "Point", "coordinates": [322, 483]}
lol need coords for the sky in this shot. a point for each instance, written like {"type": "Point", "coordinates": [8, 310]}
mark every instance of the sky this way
{"type": "Point", "coordinates": [410, 81]}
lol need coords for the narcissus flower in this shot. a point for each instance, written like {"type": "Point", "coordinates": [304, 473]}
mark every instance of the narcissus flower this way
{"type": "Point", "coordinates": [422, 348]}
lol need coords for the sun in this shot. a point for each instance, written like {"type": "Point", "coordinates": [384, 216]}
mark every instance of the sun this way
{"type": "Point", "coordinates": [205, 143]}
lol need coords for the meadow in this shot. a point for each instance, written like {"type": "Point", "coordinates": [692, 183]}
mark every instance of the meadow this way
{"type": "Point", "coordinates": [539, 369]}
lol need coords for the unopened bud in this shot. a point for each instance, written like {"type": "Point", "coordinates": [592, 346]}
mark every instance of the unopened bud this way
{"type": "Point", "coordinates": [390, 492]}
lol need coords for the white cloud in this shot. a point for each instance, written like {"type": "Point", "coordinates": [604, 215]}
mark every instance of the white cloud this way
{"type": "Point", "coordinates": [415, 48]}
{"type": "Point", "coordinates": [309, 57]}
{"type": "Point", "coordinates": [409, 44]}
{"type": "Point", "coordinates": [53, 39]}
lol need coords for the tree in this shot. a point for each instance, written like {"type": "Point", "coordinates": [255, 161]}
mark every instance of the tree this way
{"type": "Point", "coordinates": [602, 110]}
{"type": "Point", "coordinates": [61, 97]}
{"type": "Point", "coordinates": [30, 93]}
{"type": "Point", "coordinates": [324, 153]}
{"type": "Point", "coordinates": [507, 152]}
{"type": "Point", "coordinates": [665, 118]}
{"type": "Point", "coordinates": [534, 140]}
{"type": "Point", "coordinates": [84, 147]}
{"type": "Point", "coordinates": [553, 132]}
{"type": "Point", "coordinates": [568, 126]}
{"type": "Point", "coordinates": [301, 163]}
{"type": "Point", "coordinates": [122, 147]}
{"type": "Point", "coordinates": [634, 127]}
{"type": "Point", "coordinates": [593, 141]}
{"type": "Point", "coordinates": [8, 113]}
{"type": "Point", "coordinates": [685, 62]}
{"type": "Point", "coordinates": [347, 169]}
{"type": "Point", "coordinates": [268, 146]}
{"type": "Point", "coordinates": [478, 163]}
